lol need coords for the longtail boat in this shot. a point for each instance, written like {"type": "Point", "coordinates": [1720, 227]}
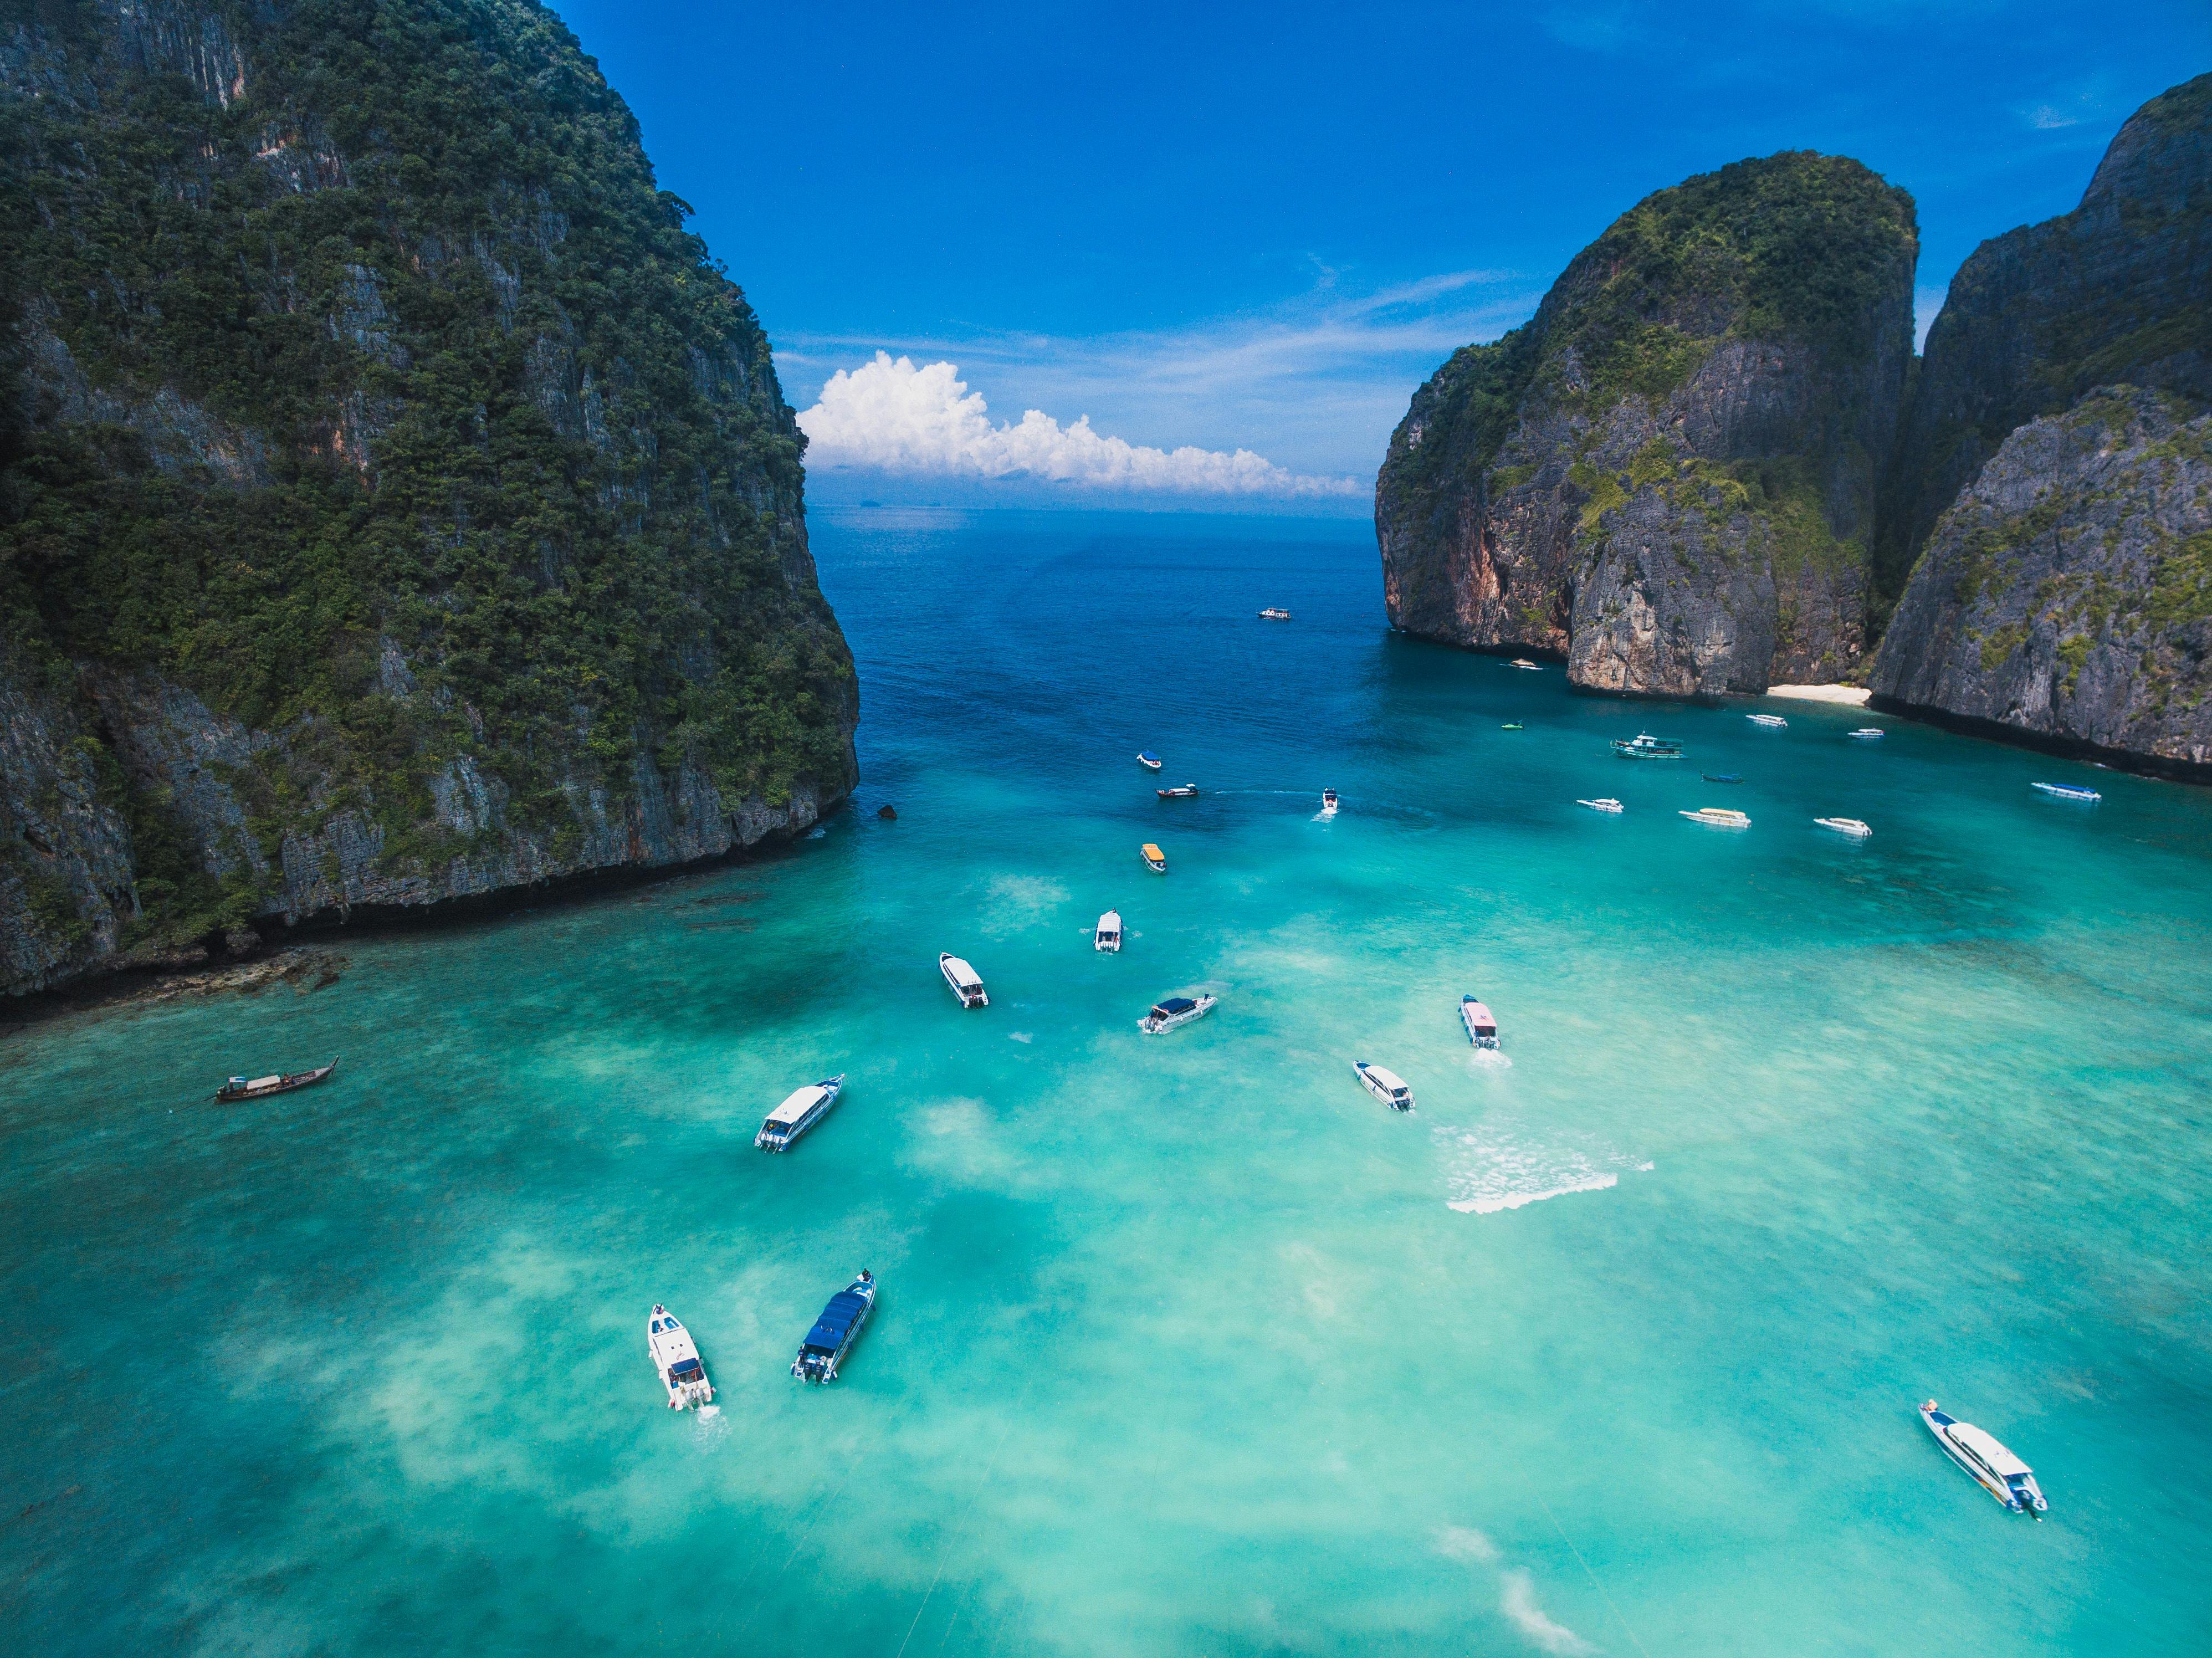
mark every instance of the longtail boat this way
{"type": "Point", "coordinates": [242, 1087]}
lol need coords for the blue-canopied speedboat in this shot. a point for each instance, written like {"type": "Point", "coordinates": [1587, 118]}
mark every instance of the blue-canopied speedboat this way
{"type": "Point", "coordinates": [1173, 1010]}
{"type": "Point", "coordinates": [2066, 792]}
{"type": "Point", "coordinates": [836, 1330]}
{"type": "Point", "coordinates": [1150, 761]}
{"type": "Point", "coordinates": [1993, 1468]}
{"type": "Point", "coordinates": [1481, 1023]}
{"type": "Point", "coordinates": [806, 1107]}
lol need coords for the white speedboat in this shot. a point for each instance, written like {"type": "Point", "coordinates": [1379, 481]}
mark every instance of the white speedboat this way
{"type": "Point", "coordinates": [1773, 722]}
{"type": "Point", "coordinates": [1994, 1468]}
{"type": "Point", "coordinates": [676, 1360]}
{"type": "Point", "coordinates": [1328, 803]}
{"type": "Point", "coordinates": [1108, 935]}
{"type": "Point", "coordinates": [1274, 613]}
{"type": "Point", "coordinates": [1719, 817]}
{"type": "Point", "coordinates": [2066, 791]}
{"type": "Point", "coordinates": [1851, 826]}
{"type": "Point", "coordinates": [1481, 1023]}
{"type": "Point", "coordinates": [967, 984]}
{"type": "Point", "coordinates": [1603, 803]}
{"type": "Point", "coordinates": [1176, 1011]}
{"type": "Point", "coordinates": [1868, 733]}
{"type": "Point", "coordinates": [1385, 1085]}
{"type": "Point", "coordinates": [806, 1107]}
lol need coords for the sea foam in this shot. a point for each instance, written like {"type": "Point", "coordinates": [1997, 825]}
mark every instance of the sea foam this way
{"type": "Point", "coordinates": [1498, 1167]}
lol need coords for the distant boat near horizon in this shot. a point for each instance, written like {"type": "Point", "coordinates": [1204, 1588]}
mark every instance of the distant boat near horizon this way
{"type": "Point", "coordinates": [1868, 733]}
{"type": "Point", "coordinates": [1644, 746]}
{"type": "Point", "coordinates": [1851, 826]}
{"type": "Point", "coordinates": [1723, 777]}
{"type": "Point", "coordinates": [1604, 803]}
{"type": "Point", "coordinates": [1274, 613]}
{"type": "Point", "coordinates": [1719, 817]}
{"type": "Point", "coordinates": [1525, 665]}
{"type": "Point", "coordinates": [2066, 792]}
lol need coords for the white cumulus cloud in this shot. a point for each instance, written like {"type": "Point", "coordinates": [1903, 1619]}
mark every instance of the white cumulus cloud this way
{"type": "Point", "coordinates": [894, 415]}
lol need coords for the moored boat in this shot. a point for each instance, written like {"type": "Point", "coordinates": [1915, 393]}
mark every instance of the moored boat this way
{"type": "Point", "coordinates": [836, 1330]}
{"type": "Point", "coordinates": [1108, 935]}
{"type": "Point", "coordinates": [1994, 1468]}
{"type": "Point", "coordinates": [676, 1360]}
{"type": "Point", "coordinates": [1180, 791]}
{"type": "Point", "coordinates": [1868, 733]}
{"type": "Point", "coordinates": [1773, 722]}
{"type": "Point", "coordinates": [966, 983]}
{"type": "Point", "coordinates": [1274, 613]}
{"type": "Point", "coordinates": [1174, 1011]}
{"type": "Point", "coordinates": [1851, 826]}
{"type": "Point", "coordinates": [1524, 663]}
{"type": "Point", "coordinates": [1723, 777]}
{"type": "Point", "coordinates": [1387, 1087]}
{"type": "Point", "coordinates": [1151, 761]}
{"type": "Point", "coordinates": [1513, 726]}
{"type": "Point", "coordinates": [806, 1107]}
{"type": "Point", "coordinates": [1719, 817]}
{"type": "Point", "coordinates": [1328, 803]}
{"type": "Point", "coordinates": [1155, 859]}
{"type": "Point", "coordinates": [255, 1088]}
{"type": "Point", "coordinates": [1481, 1023]}
{"type": "Point", "coordinates": [1644, 746]}
{"type": "Point", "coordinates": [1604, 803]}
{"type": "Point", "coordinates": [2066, 791]}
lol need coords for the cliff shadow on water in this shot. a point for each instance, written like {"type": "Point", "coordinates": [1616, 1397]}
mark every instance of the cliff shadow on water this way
{"type": "Point", "coordinates": [399, 504]}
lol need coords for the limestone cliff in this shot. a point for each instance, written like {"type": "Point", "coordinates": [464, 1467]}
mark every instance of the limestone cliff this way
{"type": "Point", "coordinates": [2117, 291]}
{"type": "Point", "coordinates": [1668, 475]}
{"type": "Point", "coordinates": [396, 503]}
{"type": "Point", "coordinates": [2068, 593]}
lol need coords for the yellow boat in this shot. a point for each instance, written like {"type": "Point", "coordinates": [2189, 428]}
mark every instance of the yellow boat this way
{"type": "Point", "coordinates": [1155, 857]}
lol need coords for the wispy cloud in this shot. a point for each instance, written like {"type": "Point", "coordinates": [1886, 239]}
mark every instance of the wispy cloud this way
{"type": "Point", "coordinates": [1516, 1592]}
{"type": "Point", "coordinates": [1315, 383]}
{"type": "Point", "coordinates": [900, 417]}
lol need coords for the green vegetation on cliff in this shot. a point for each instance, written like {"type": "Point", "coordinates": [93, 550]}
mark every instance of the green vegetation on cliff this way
{"type": "Point", "coordinates": [383, 357]}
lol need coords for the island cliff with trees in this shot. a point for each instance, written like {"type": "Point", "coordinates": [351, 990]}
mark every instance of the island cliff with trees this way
{"type": "Point", "coordinates": [397, 504]}
{"type": "Point", "coordinates": [1710, 462]}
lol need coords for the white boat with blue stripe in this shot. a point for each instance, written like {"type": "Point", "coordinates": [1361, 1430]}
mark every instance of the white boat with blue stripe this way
{"type": "Point", "coordinates": [1994, 1468]}
{"type": "Point", "coordinates": [836, 1330]}
{"type": "Point", "coordinates": [1387, 1087]}
{"type": "Point", "coordinates": [798, 1113]}
{"type": "Point", "coordinates": [2066, 792]}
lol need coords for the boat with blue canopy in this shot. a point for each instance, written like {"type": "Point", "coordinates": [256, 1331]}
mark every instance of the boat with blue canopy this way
{"type": "Point", "coordinates": [836, 1330]}
{"type": "Point", "coordinates": [1147, 759]}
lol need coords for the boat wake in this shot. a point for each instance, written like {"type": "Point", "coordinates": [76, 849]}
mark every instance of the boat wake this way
{"type": "Point", "coordinates": [1489, 1058]}
{"type": "Point", "coordinates": [1494, 1167]}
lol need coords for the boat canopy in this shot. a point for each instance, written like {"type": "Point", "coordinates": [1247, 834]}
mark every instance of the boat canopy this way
{"type": "Point", "coordinates": [1993, 1456]}
{"type": "Point", "coordinates": [1155, 854]}
{"type": "Point", "coordinates": [266, 1082]}
{"type": "Point", "coordinates": [1148, 757]}
{"type": "Point", "coordinates": [835, 1324]}
{"type": "Point", "coordinates": [962, 975]}
{"type": "Point", "coordinates": [1389, 1079]}
{"type": "Point", "coordinates": [797, 1106]}
{"type": "Point", "coordinates": [1173, 1006]}
{"type": "Point", "coordinates": [1483, 1017]}
{"type": "Point", "coordinates": [1110, 922]}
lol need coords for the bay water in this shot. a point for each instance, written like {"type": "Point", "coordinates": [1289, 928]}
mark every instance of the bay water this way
{"type": "Point", "coordinates": [1186, 1345]}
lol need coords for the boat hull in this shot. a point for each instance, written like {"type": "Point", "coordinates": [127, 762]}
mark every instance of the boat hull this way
{"type": "Point", "coordinates": [231, 1093]}
{"type": "Point", "coordinates": [1382, 1090]}
{"type": "Point", "coordinates": [768, 1141]}
{"type": "Point", "coordinates": [2030, 1503]}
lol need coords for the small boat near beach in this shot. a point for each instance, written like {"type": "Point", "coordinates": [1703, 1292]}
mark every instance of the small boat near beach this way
{"type": "Point", "coordinates": [966, 983]}
{"type": "Point", "coordinates": [1481, 1023]}
{"type": "Point", "coordinates": [1108, 934]}
{"type": "Point", "coordinates": [1719, 817]}
{"type": "Point", "coordinates": [2066, 792]}
{"type": "Point", "coordinates": [1274, 613]}
{"type": "Point", "coordinates": [836, 1330]}
{"type": "Point", "coordinates": [1851, 826]}
{"type": "Point", "coordinates": [1993, 1468]}
{"type": "Point", "coordinates": [677, 1359]}
{"type": "Point", "coordinates": [1176, 1011]}
{"type": "Point", "coordinates": [1723, 777]}
{"type": "Point", "coordinates": [255, 1088]}
{"type": "Point", "coordinates": [1387, 1087]}
{"type": "Point", "coordinates": [1868, 733]}
{"type": "Point", "coordinates": [1155, 859]}
{"type": "Point", "coordinates": [1180, 791]}
{"type": "Point", "coordinates": [1151, 761]}
{"type": "Point", "coordinates": [1773, 722]}
{"type": "Point", "coordinates": [1328, 803]}
{"type": "Point", "coordinates": [806, 1107]}
{"type": "Point", "coordinates": [1604, 803]}
{"type": "Point", "coordinates": [1644, 746]}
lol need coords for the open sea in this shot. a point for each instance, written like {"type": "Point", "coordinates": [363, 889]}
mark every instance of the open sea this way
{"type": "Point", "coordinates": [1187, 1346]}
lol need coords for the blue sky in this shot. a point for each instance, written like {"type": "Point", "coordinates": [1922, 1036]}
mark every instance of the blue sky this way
{"type": "Point", "coordinates": [1260, 228]}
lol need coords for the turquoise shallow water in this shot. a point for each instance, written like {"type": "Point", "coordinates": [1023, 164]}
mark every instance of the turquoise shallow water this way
{"type": "Point", "coordinates": [1186, 1346]}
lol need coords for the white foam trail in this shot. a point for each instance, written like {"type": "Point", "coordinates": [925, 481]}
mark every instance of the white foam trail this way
{"type": "Point", "coordinates": [1490, 1205]}
{"type": "Point", "coordinates": [1498, 1167]}
{"type": "Point", "coordinates": [1491, 1059]}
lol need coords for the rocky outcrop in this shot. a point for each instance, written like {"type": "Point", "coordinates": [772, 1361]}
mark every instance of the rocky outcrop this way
{"type": "Point", "coordinates": [397, 504]}
{"type": "Point", "coordinates": [1668, 476]}
{"type": "Point", "coordinates": [2117, 291]}
{"type": "Point", "coordinates": [2068, 593]}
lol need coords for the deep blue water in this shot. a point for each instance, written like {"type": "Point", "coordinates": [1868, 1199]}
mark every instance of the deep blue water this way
{"type": "Point", "coordinates": [1186, 1345]}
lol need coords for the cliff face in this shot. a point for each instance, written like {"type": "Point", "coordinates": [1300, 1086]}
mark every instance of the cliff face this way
{"type": "Point", "coordinates": [396, 502]}
{"type": "Point", "coordinates": [2118, 290]}
{"type": "Point", "coordinates": [2068, 593]}
{"type": "Point", "coordinates": [1668, 475]}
